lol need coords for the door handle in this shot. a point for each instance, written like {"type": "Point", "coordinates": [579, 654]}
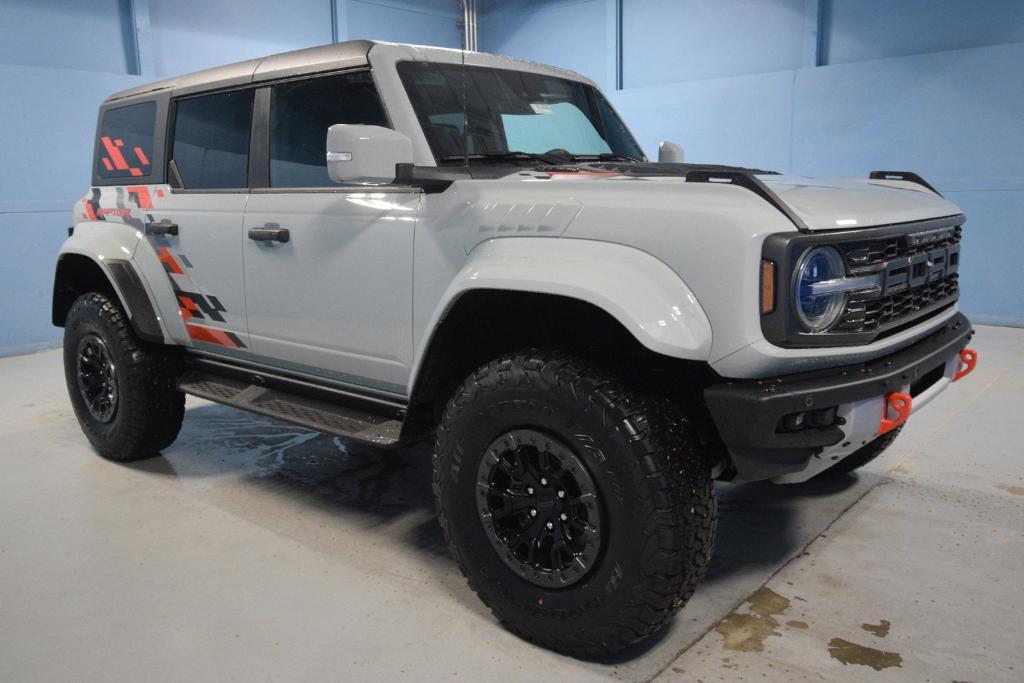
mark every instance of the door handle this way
{"type": "Point", "coordinates": [269, 234]}
{"type": "Point", "coordinates": [161, 228]}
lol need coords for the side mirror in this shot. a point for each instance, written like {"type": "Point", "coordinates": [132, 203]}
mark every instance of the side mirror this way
{"type": "Point", "coordinates": [365, 155]}
{"type": "Point", "coordinates": [669, 153]}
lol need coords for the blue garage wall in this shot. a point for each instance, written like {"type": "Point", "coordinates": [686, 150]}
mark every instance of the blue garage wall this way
{"type": "Point", "coordinates": [60, 58]}
{"type": "Point", "coordinates": [933, 86]}
{"type": "Point", "coordinates": [872, 29]}
{"type": "Point", "coordinates": [560, 32]}
{"type": "Point", "coordinates": [667, 41]}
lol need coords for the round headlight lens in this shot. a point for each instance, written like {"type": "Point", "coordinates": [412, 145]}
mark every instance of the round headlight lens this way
{"type": "Point", "coordinates": [817, 311]}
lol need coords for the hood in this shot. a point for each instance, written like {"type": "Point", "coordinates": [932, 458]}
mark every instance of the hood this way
{"type": "Point", "coordinates": [822, 204]}
{"type": "Point", "coordinates": [830, 204]}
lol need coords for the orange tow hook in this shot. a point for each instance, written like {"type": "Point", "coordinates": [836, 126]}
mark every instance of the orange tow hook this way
{"type": "Point", "coordinates": [969, 357]}
{"type": "Point", "coordinates": [899, 402]}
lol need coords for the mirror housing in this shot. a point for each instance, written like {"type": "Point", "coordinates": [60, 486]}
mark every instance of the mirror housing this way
{"type": "Point", "coordinates": [669, 153]}
{"type": "Point", "coordinates": [365, 155]}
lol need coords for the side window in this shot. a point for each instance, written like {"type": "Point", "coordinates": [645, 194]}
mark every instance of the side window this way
{"type": "Point", "coordinates": [300, 114]}
{"type": "Point", "coordinates": [211, 139]}
{"type": "Point", "coordinates": [126, 141]}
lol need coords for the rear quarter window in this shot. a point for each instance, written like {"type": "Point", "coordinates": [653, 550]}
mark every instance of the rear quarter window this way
{"type": "Point", "coordinates": [125, 145]}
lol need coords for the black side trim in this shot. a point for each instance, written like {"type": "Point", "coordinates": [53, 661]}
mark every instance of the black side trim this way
{"type": "Point", "coordinates": [747, 412]}
{"type": "Point", "coordinates": [283, 381]}
{"type": "Point", "coordinates": [143, 317]}
{"type": "Point", "coordinates": [747, 180]}
{"type": "Point", "coordinates": [909, 176]}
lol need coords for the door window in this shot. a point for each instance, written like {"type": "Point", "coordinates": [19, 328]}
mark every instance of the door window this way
{"type": "Point", "coordinates": [211, 140]}
{"type": "Point", "coordinates": [300, 114]}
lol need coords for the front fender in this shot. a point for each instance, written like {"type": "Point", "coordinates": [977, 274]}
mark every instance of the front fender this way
{"type": "Point", "coordinates": [635, 288]}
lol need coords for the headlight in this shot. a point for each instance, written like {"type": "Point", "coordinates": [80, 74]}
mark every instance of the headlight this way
{"type": "Point", "coordinates": [817, 305]}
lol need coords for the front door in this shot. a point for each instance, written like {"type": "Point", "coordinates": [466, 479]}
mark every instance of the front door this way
{"type": "Point", "coordinates": [335, 299]}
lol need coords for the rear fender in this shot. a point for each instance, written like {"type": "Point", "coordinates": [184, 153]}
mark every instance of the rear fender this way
{"type": "Point", "coordinates": [113, 247]}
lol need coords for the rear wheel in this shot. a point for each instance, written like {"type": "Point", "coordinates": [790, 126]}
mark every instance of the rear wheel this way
{"type": "Point", "coordinates": [123, 390]}
{"type": "Point", "coordinates": [578, 510]}
{"type": "Point", "coordinates": [862, 456]}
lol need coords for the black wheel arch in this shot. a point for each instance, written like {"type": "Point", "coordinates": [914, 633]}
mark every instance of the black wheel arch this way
{"type": "Point", "coordinates": [77, 274]}
{"type": "Point", "coordinates": [484, 324]}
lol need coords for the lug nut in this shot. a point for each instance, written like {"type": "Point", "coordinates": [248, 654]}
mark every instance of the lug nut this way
{"type": "Point", "coordinates": [550, 525]}
{"type": "Point", "coordinates": [543, 481]}
{"type": "Point", "coordinates": [561, 494]}
{"type": "Point", "coordinates": [563, 517]}
{"type": "Point", "coordinates": [533, 512]}
{"type": "Point", "coordinates": [529, 490]}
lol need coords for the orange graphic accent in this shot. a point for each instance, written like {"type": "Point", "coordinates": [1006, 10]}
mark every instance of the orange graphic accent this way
{"type": "Point", "coordinates": [142, 196]}
{"type": "Point", "coordinates": [119, 142]}
{"type": "Point", "coordinates": [159, 193]}
{"type": "Point", "coordinates": [899, 402]}
{"type": "Point", "coordinates": [142, 156]}
{"type": "Point", "coordinates": [115, 154]}
{"type": "Point", "coordinates": [187, 306]}
{"type": "Point", "coordinates": [969, 357]}
{"type": "Point", "coordinates": [167, 259]}
{"type": "Point", "coordinates": [210, 336]}
{"type": "Point", "coordinates": [106, 164]}
{"type": "Point", "coordinates": [90, 213]}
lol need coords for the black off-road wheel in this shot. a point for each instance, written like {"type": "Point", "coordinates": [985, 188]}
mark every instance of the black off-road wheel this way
{"type": "Point", "coordinates": [579, 511]}
{"type": "Point", "coordinates": [862, 456]}
{"type": "Point", "coordinates": [123, 390]}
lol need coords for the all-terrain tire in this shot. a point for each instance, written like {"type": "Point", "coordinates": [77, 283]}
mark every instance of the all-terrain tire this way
{"type": "Point", "coordinates": [149, 408]}
{"type": "Point", "coordinates": [654, 489]}
{"type": "Point", "coordinates": [863, 455]}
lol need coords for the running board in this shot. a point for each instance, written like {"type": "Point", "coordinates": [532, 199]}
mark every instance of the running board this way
{"type": "Point", "coordinates": [329, 418]}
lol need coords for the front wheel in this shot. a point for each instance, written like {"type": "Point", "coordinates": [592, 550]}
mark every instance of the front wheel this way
{"type": "Point", "coordinates": [124, 390]}
{"type": "Point", "coordinates": [580, 512]}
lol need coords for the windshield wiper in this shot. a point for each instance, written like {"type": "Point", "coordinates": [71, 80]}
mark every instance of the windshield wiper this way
{"type": "Point", "coordinates": [604, 156]}
{"type": "Point", "coordinates": [504, 156]}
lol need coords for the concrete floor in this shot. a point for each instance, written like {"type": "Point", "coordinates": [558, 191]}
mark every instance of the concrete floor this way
{"type": "Point", "coordinates": [253, 549]}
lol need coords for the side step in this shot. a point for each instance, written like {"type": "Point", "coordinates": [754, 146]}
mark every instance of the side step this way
{"type": "Point", "coordinates": [330, 418]}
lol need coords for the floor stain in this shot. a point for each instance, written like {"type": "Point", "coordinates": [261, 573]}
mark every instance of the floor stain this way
{"type": "Point", "coordinates": [746, 632]}
{"type": "Point", "coordinates": [881, 629]}
{"type": "Point", "coordinates": [902, 469]}
{"type": "Point", "coordinates": [852, 653]}
{"type": "Point", "coordinates": [1015, 490]}
{"type": "Point", "coordinates": [795, 623]}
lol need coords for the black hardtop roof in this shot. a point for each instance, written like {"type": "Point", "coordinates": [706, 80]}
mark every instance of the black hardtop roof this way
{"type": "Point", "coordinates": [349, 54]}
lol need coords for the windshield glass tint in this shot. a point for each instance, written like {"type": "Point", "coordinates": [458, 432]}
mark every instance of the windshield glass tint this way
{"type": "Point", "coordinates": [511, 111]}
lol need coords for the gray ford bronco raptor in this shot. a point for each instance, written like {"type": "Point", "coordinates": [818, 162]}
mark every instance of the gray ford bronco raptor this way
{"type": "Point", "coordinates": [393, 243]}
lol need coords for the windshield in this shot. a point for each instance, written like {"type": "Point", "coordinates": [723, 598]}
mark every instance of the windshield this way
{"type": "Point", "coordinates": [512, 112]}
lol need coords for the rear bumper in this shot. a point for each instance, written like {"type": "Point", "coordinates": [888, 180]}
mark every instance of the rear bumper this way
{"type": "Point", "coordinates": [747, 413]}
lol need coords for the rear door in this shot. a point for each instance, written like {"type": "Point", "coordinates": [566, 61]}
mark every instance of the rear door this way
{"type": "Point", "coordinates": [336, 298]}
{"type": "Point", "coordinates": [209, 146]}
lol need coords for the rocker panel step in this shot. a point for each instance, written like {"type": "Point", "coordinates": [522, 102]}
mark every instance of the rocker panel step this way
{"type": "Point", "coordinates": [321, 416]}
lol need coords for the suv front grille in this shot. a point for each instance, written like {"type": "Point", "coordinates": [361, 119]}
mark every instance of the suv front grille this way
{"type": "Point", "coordinates": [870, 313]}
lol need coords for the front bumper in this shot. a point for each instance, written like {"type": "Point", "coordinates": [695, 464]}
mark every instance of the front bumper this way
{"type": "Point", "coordinates": [748, 413]}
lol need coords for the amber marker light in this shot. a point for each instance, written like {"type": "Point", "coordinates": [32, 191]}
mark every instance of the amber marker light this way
{"type": "Point", "coordinates": [767, 286]}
